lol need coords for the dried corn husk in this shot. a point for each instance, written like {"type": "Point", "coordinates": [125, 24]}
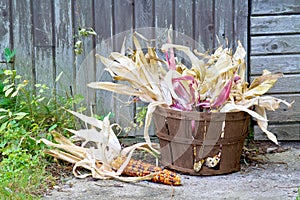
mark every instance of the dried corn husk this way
{"type": "Point", "coordinates": [101, 161]}
{"type": "Point", "coordinates": [214, 82]}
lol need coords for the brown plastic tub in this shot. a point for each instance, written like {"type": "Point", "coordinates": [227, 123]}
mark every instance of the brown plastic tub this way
{"type": "Point", "coordinates": [182, 132]}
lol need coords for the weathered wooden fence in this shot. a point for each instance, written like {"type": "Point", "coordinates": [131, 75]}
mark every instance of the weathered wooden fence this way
{"type": "Point", "coordinates": [42, 33]}
{"type": "Point", "coordinates": [275, 45]}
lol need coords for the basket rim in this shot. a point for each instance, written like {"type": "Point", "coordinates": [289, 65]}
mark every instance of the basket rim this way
{"type": "Point", "coordinates": [201, 116]}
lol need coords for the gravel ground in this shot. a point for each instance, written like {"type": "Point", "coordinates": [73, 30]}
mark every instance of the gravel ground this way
{"type": "Point", "coordinates": [278, 178]}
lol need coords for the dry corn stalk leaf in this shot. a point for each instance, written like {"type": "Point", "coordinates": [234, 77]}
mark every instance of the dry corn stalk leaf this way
{"type": "Point", "coordinates": [262, 84]}
{"type": "Point", "coordinates": [229, 107]}
{"type": "Point", "coordinates": [103, 161]}
{"type": "Point", "coordinates": [263, 124]}
{"type": "Point", "coordinates": [197, 64]}
{"type": "Point", "coordinates": [150, 110]}
{"type": "Point", "coordinates": [115, 87]}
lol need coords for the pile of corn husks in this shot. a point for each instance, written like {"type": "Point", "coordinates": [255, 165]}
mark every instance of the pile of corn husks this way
{"type": "Point", "coordinates": [211, 83]}
{"type": "Point", "coordinates": [99, 159]}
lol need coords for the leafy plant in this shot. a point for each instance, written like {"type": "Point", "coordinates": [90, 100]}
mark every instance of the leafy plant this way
{"type": "Point", "coordinates": [30, 115]}
{"type": "Point", "coordinates": [5, 102]}
{"type": "Point", "coordinates": [82, 33]}
{"type": "Point", "coordinates": [21, 171]}
{"type": "Point", "coordinates": [9, 54]}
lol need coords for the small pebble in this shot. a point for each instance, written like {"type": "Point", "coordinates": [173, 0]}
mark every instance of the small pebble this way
{"type": "Point", "coordinates": [56, 187]}
{"type": "Point", "coordinates": [271, 149]}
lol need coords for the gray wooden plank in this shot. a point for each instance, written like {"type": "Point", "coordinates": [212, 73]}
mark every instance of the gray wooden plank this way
{"type": "Point", "coordinates": [163, 19]}
{"type": "Point", "coordinates": [241, 22]}
{"type": "Point", "coordinates": [278, 44]}
{"type": "Point", "coordinates": [123, 22]}
{"type": "Point", "coordinates": [143, 13]}
{"type": "Point", "coordinates": [23, 38]}
{"type": "Point", "coordinates": [204, 24]}
{"type": "Point", "coordinates": [44, 66]}
{"type": "Point", "coordinates": [183, 26]}
{"type": "Point", "coordinates": [64, 46]}
{"type": "Point", "coordinates": [104, 46]}
{"type": "Point", "coordinates": [103, 19]}
{"type": "Point", "coordinates": [282, 131]}
{"type": "Point", "coordinates": [43, 19]}
{"type": "Point", "coordinates": [85, 62]}
{"type": "Point", "coordinates": [240, 27]}
{"type": "Point", "coordinates": [224, 22]}
{"type": "Point", "coordinates": [277, 63]}
{"type": "Point", "coordinates": [5, 27]}
{"type": "Point", "coordinates": [183, 23]}
{"type": "Point", "coordinates": [144, 19]}
{"type": "Point", "coordinates": [260, 7]}
{"type": "Point", "coordinates": [163, 13]}
{"type": "Point", "coordinates": [123, 15]}
{"type": "Point", "coordinates": [287, 84]}
{"type": "Point", "coordinates": [275, 24]}
{"type": "Point", "coordinates": [144, 23]}
{"type": "Point", "coordinates": [43, 42]}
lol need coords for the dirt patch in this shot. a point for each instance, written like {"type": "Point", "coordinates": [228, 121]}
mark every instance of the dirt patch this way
{"type": "Point", "coordinates": [270, 173]}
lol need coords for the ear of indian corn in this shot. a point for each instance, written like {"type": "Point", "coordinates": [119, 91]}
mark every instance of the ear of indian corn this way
{"type": "Point", "coordinates": [138, 168]}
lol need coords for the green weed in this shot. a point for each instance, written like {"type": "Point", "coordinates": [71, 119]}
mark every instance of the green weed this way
{"type": "Point", "coordinates": [26, 115]}
{"type": "Point", "coordinates": [9, 54]}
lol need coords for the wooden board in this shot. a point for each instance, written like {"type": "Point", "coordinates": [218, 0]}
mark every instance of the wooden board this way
{"type": "Point", "coordinates": [204, 25]}
{"type": "Point", "coordinates": [282, 131]}
{"type": "Point", "coordinates": [143, 13]}
{"type": "Point", "coordinates": [85, 62]}
{"type": "Point", "coordinates": [287, 84]}
{"type": "Point", "coordinates": [5, 35]}
{"type": "Point", "coordinates": [43, 43]}
{"type": "Point", "coordinates": [123, 21]}
{"type": "Point", "coordinates": [123, 18]}
{"type": "Point", "coordinates": [43, 21]}
{"type": "Point", "coordinates": [241, 12]}
{"type": "Point", "coordinates": [23, 39]}
{"type": "Point", "coordinates": [224, 24]}
{"type": "Point", "coordinates": [267, 7]}
{"type": "Point", "coordinates": [275, 24]}
{"type": "Point", "coordinates": [277, 44]}
{"type": "Point", "coordinates": [104, 45]}
{"type": "Point", "coordinates": [282, 63]}
{"type": "Point", "coordinates": [241, 30]}
{"type": "Point", "coordinates": [64, 52]}
{"type": "Point", "coordinates": [44, 70]}
{"type": "Point", "coordinates": [275, 35]}
{"type": "Point", "coordinates": [183, 23]}
{"type": "Point", "coordinates": [143, 17]}
{"type": "Point", "coordinates": [163, 17]}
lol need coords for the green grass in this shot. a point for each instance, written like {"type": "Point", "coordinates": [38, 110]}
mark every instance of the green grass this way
{"type": "Point", "coordinates": [27, 115]}
{"type": "Point", "coordinates": [28, 183]}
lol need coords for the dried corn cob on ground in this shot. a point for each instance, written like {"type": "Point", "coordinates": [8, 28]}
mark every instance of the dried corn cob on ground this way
{"type": "Point", "coordinates": [137, 168]}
